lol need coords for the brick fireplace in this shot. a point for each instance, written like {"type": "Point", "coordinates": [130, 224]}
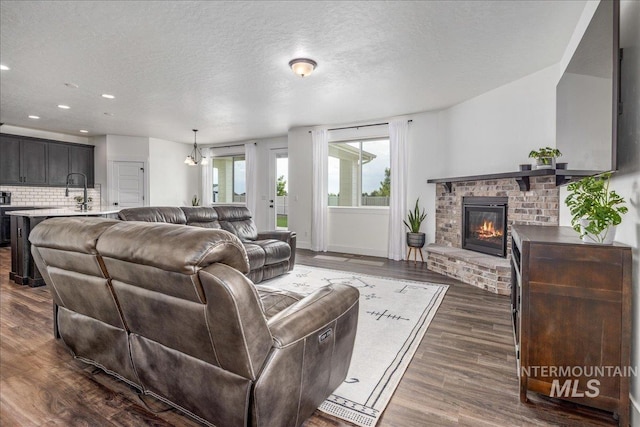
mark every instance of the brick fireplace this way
{"type": "Point", "coordinates": [535, 205]}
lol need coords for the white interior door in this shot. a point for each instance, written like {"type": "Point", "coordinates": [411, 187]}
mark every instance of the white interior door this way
{"type": "Point", "coordinates": [128, 184]}
{"type": "Point", "coordinates": [279, 184]}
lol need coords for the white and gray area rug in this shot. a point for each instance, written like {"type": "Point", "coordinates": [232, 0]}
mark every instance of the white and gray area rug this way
{"type": "Point", "coordinates": [394, 316]}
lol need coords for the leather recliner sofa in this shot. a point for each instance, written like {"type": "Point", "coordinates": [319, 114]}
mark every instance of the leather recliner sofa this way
{"type": "Point", "coordinates": [169, 310]}
{"type": "Point", "coordinates": [271, 253]}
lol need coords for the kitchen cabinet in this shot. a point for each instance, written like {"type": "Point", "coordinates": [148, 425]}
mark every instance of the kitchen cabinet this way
{"type": "Point", "coordinates": [42, 162]}
{"type": "Point", "coordinates": [67, 158]}
{"type": "Point", "coordinates": [58, 164]}
{"type": "Point", "coordinates": [22, 161]}
{"type": "Point", "coordinates": [81, 161]}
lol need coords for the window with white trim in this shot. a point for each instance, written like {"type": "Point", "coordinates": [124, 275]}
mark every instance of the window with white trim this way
{"type": "Point", "coordinates": [359, 173]}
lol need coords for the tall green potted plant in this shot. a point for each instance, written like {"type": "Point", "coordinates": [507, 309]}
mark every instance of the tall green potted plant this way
{"type": "Point", "coordinates": [415, 238]}
{"type": "Point", "coordinates": [595, 210]}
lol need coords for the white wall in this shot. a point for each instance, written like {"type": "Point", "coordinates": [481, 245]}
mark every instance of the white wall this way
{"type": "Point", "coordinates": [427, 153]}
{"type": "Point", "coordinates": [495, 131]}
{"type": "Point", "coordinates": [100, 163]}
{"type": "Point", "coordinates": [171, 181]}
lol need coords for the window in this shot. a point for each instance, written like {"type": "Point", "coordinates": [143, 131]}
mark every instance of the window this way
{"type": "Point", "coordinates": [359, 173]}
{"type": "Point", "coordinates": [229, 179]}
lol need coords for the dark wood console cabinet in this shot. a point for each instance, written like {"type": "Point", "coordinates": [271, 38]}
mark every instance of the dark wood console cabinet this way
{"type": "Point", "coordinates": [571, 307]}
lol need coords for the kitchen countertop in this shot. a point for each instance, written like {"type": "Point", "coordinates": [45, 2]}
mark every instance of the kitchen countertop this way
{"type": "Point", "coordinates": [63, 211]}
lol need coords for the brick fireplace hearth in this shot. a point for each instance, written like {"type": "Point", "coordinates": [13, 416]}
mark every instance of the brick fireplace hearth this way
{"type": "Point", "coordinates": [536, 206]}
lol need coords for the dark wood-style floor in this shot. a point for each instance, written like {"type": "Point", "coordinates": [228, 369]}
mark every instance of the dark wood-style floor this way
{"type": "Point", "coordinates": [462, 374]}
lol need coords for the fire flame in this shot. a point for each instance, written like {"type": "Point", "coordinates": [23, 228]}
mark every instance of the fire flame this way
{"type": "Point", "coordinates": [487, 230]}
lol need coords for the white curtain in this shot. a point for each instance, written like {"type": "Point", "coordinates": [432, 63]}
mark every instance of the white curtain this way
{"type": "Point", "coordinates": [398, 130]}
{"type": "Point", "coordinates": [251, 162]}
{"type": "Point", "coordinates": [320, 144]}
{"type": "Point", "coordinates": [207, 178]}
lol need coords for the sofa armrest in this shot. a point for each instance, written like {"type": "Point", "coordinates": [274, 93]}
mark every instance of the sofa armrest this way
{"type": "Point", "coordinates": [286, 236]}
{"type": "Point", "coordinates": [312, 313]}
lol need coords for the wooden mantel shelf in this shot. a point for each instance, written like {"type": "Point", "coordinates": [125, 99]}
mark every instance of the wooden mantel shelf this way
{"type": "Point", "coordinates": [563, 176]}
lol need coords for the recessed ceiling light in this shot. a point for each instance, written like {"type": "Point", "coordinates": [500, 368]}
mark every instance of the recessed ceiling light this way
{"type": "Point", "coordinates": [34, 117]}
{"type": "Point", "coordinates": [64, 107]}
{"type": "Point", "coordinates": [4, 67]}
{"type": "Point", "coordinates": [106, 95]}
{"type": "Point", "coordinates": [84, 131]}
{"type": "Point", "coordinates": [72, 85]}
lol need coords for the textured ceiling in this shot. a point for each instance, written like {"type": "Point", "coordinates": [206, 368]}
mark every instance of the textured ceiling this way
{"type": "Point", "coordinates": [222, 67]}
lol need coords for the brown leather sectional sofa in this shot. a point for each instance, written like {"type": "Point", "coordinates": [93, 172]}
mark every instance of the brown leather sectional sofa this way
{"type": "Point", "coordinates": [169, 310]}
{"type": "Point", "coordinates": [271, 253]}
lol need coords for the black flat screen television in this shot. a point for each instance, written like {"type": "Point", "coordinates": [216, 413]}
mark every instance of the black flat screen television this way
{"type": "Point", "coordinates": [587, 95]}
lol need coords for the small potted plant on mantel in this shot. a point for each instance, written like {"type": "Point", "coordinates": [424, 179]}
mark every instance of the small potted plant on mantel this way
{"type": "Point", "coordinates": [545, 157]}
{"type": "Point", "coordinates": [415, 239]}
{"type": "Point", "coordinates": [595, 210]}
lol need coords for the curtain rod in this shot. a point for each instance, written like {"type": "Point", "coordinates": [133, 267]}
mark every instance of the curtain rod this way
{"type": "Point", "coordinates": [230, 146]}
{"type": "Point", "coordinates": [363, 126]}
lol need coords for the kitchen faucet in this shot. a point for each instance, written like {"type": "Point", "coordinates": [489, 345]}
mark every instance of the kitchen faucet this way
{"type": "Point", "coordinates": [84, 205]}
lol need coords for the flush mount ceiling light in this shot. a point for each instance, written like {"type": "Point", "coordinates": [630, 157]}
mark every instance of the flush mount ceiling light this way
{"type": "Point", "coordinates": [64, 107]}
{"type": "Point", "coordinates": [106, 95]}
{"type": "Point", "coordinates": [303, 66]}
{"type": "Point", "coordinates": [31, 116]}
{"type": "Point", "coordinates": [84, 131]}
{"type": "Point", "coordinates": [196, 156]}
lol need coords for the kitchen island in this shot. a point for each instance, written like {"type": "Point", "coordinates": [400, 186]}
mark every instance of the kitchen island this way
{"type": "Point", "coordinates": [23, 268]}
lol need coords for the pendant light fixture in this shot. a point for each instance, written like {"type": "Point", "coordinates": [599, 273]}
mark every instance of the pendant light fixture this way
{"type": "Point", "coordinates": [196, 156]}
{"type": "Point", "coordinates": [303, 66]}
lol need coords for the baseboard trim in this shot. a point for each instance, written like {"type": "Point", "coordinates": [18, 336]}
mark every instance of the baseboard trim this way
{"type": "Point", "coordinates": [358, 251]}
{"type": "Point", "coordinates": [302, 244]}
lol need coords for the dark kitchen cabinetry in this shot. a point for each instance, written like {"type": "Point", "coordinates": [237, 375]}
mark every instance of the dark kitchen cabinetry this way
{"type": "Point", "coordinates": [67, 158]}
{"type": "Point", "coordinates": [571, 308]}
{"type": "Point", "coordinates": [81, 160]}
{"type": "Point", "coordinates": [42, 162]}
{"type": "Point", "coordinates": [22, 161]}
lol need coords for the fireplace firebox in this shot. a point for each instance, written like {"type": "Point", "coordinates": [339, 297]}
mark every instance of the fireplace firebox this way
{"type": "Point", "coordinates": [484, 225]}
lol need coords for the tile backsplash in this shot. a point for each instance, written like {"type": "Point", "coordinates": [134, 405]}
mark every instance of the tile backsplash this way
{"type": "Point", "coordinates": [49, 196]}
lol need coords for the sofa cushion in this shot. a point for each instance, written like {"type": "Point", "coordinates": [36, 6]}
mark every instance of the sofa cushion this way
{"type": "Point", "coordinates": [237, 220]}
{"type": "Point", "coordinates": [256, 255]}
{"type": "Point", "coordinates": [168, 214]}
{"type": "Point", "coordinates": [190, 248]}
{"type": "Point", "coordinates": [275, 251]}
{"type": "Point", "coordinates": [205, 217]}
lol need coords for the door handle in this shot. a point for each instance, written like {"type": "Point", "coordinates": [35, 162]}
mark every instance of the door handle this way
{"type": "Point", "coordinates": [115, 203]}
